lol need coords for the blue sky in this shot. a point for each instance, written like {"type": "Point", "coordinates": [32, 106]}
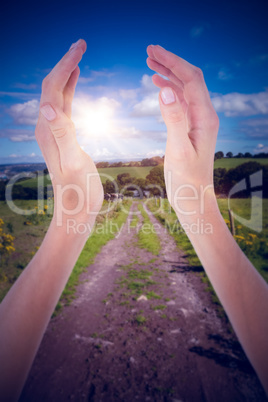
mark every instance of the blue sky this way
{"type": "Point", "coordinates": [115, 109]}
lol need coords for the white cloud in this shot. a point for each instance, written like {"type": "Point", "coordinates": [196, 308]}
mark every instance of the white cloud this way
{"type": "Point", "coordinates": [94, 75]}
{"type": "Point", "coordinates": [31, 156]}
{"type": "Point", "coordinates": [260, 148]}
{"type": "Point", "coordinates": [149, 105]}
{"type": "Point", "coordinates": [237, 104]}
{"type": "Point", "coordinates": [224, 74]}
{"type": "Point", "coordinates": [147, 85]}
{"type": "Point", "coordinates": [17, 135]}
{"type": "Point", "coordinates": [25, 113]}
{"type": "Point", "coordinates": [102, 153]}
{"type": "Point", "coordinates": [20, 95]}
{"type": "Point", "coordinates": [255, 128]}
{"type": "Point", "coordinates": [129, 94]}
{"type": "Point", "coordinates": [156, 152]}
{"type": "Point", "coordinates": [24, 86]}
{"type": "Point", "coordinates": [132, 132]}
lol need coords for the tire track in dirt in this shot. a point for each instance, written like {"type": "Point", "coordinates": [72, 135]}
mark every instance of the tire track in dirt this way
{"type": "Point", "coordinates": [169, 346]}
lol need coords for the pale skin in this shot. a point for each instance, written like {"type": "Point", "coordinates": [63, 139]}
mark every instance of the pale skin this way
{"type": "Point", "coordinates": [192, 126]}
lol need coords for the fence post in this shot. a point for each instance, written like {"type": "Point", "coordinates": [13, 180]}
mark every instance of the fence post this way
{"type": "Point", "coordinates": [231, 217]}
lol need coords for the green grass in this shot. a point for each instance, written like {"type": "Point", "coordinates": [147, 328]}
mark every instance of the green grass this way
{"type": "Point", "coordinates": [140, 319]}
{"type": "Point", "coordinates": [137, 172]}
{"type": "Point", "coordinates": [152, 295]}
{"type": "Point", "coordinates": [28, 231]}
{"type": "Point", "coordinates": [159, 307]}
{"type": "Point", "coordinates": [33, 183]}
{"type": "Point", "coordinates": [229, 163]}
{"type": "Point", "coordinates": [147, 238]}
{"type": "Point", "coordinates": [254, 245]}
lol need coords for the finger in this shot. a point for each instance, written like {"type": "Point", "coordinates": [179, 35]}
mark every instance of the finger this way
{"type": "Point", "coordinates": [63, 131]}
{"type": "Point", "coordinates": [196, 92]}
{"type": "Point", "coordinates": [59, 76]}
{"type": "Point", "coordinates": [155, 66]}
{"type": "Point", "coordinates": [162, 83]}
{"type": "Point", "coordinates": [175, 120]}
{"type": "Point", "coordinates": [69, 91]}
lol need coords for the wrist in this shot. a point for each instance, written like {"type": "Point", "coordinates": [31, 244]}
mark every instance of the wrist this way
{"type": "Point", "coordinates": [72, 227]}
{"type": "Point", "coordinates": [192, 204]}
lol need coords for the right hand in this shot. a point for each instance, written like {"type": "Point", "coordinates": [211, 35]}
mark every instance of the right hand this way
{"type": "Point", "coordinates": [192, 126]}
{"type": "Point", "coordinates": [69, 166]}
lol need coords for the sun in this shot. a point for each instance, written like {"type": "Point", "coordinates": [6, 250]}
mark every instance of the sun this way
{"type": "Point", "coordinates": [94, 118]}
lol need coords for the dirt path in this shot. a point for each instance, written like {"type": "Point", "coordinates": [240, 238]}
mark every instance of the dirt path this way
{"type": "Point", "coordinates": [110, 346]}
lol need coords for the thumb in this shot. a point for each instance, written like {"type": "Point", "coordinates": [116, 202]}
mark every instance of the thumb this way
{"type": "Point", "coordinates": [62, 128]}
{"type": "Point", "coordinates": [174, 118]}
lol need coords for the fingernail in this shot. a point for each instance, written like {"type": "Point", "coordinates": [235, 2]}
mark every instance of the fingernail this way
{"type": "Point", "coordinates": [48, 112]}
{"type": "Point", "coordinates": [75, 45]}
{"type": "Point", "coordinates": [167, 96]}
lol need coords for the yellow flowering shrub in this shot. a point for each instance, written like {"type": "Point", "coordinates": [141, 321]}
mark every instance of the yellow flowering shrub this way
{"type": "Point", "coordinates": [6, 247]}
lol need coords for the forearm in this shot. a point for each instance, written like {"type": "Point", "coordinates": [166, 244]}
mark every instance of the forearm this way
{"type": "Point", "coordinates": [241, 290]}
{"type": "Point", "coordinates": [28, 306]}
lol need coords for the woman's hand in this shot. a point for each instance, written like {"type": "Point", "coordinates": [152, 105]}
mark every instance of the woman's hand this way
{"type": "Point", "coordinates": [27, 308]}
{"type": "Point", "coordinates": [192, 126]}
{"type": "Point", "coordinates": [78, 191]}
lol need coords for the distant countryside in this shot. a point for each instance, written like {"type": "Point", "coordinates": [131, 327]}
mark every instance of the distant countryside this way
{"type": "Point", "coordinates": [228, 170]}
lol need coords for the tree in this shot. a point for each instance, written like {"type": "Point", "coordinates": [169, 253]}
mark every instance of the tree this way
{"type": "Point", "coordinates": [248, 155]}
{"type": "Point", "coordinates": [102, 165]}
{"type": "Point", "coordinates": [219, 174]}
{"type": "Point", "coordinates": [239, 155]}
{"type": "Point", "coordinates": [156, 177]}
{"type": "Point", "coordinates": [218, 155]}
{"type": "Point", "coordinates": [239, 173]}
{"type": "Point", "coordinates": [109, 187]}
{"type": "Point", "coordinates": [141, 183]}
{"type": "Point", "coordinates": [229, 155]}
{"type": "Point", "coordinates": [149, 162]}
{"type": "Point", "coordinates": [123, 179]}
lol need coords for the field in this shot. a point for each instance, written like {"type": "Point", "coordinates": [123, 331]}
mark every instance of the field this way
{"type": "Point", "coordinates": [229, 163]}
{"type": "Point", "coordinates": [105, 173]}
{"type": "Point", "coordinates": [138, 172]}
{"type": "Point", "coordinates": [142, 172]}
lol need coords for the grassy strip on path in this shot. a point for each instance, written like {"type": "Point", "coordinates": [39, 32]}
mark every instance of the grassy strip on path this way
{"type": "Point", "coordinates": [148, 239]}
{"type": "Point", "coordinates": [106, 227]}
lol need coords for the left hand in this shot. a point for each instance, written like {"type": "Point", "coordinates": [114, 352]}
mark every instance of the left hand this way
{"type": "Point", "coordinates": [69, 166]}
